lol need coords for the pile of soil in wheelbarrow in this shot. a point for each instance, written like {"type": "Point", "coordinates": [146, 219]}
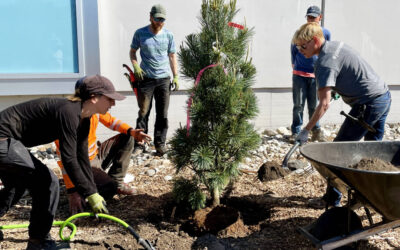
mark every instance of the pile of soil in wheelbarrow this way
{"type": "Point", "coordinates": [374, 164]}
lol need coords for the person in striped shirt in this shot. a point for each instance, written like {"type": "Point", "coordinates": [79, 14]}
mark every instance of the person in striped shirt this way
{"type": "Point", "coordinates": [158, 59]}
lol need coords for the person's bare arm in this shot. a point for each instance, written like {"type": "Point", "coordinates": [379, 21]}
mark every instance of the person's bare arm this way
{"type": "Point", "coordinates": [132, 56]}
{"type": "Point", "coordinates": [173, 63]}
{"type": "Point", "coordinates": [324, 95]}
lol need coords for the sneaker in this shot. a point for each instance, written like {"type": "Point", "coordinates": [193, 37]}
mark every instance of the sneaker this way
{"type": "Point", "coordinates": [41, 245]}
{"type": "Point", "coordinates": [125, 189]}
{"type": "Point", "coordinates": [161, 150]}
{"type": "Point", "coordinates": [137, 150]}
{"type": "Point", "coordinates": [318, 135]}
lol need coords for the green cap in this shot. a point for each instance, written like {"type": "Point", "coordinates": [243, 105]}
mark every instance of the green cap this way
{"type": "Point", "coordinates": [158, 11]}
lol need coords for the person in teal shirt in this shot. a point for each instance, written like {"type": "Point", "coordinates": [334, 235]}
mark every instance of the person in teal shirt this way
{"type": "Point", "coordinates": [158, 59]}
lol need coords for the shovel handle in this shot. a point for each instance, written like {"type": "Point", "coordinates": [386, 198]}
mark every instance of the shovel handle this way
{"type": "Point", "coordinates": [361, 122]}
{"type": "Point", "coordinates": [287, 157]}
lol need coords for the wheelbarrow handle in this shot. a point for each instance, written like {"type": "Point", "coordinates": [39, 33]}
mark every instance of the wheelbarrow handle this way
{"type": "Point", "coordinates": [287, 157]}
{"type": "Point", "coordinates": [359, 121]}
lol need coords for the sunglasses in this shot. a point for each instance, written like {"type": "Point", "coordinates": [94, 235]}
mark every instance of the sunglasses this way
{"type": "Point", "coordinates": [304, 46]}
{"type": "Point", "coordinates": [159, 19]}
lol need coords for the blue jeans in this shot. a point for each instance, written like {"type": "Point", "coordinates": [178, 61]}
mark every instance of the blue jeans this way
{"type": "Point", "coordinates": [159, 89]}
{"type": "Point", "coordinates": [375, 114]}
{"type": "Point", "coordinates": [303, 89]}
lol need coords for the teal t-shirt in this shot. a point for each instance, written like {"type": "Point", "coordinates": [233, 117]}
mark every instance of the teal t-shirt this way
{"type": "Point", "coordinates": [154, 51]}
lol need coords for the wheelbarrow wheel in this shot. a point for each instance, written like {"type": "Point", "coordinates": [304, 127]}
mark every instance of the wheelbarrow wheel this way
{"type": "Point", "coordinates": [334, 222]}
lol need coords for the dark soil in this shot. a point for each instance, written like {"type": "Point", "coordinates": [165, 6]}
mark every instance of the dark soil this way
{"type": "Point", "coordinates": [271, 171]}
{"type": "Point", "coordinates": [218, 219]}
{"type": "Point", "coordinates": [265, 215]}
{"type": "Point", "coordinates": [374, 164]}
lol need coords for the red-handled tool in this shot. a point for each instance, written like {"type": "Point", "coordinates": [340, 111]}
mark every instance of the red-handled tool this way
{"type": "Point", "coordinates": [131, 78]}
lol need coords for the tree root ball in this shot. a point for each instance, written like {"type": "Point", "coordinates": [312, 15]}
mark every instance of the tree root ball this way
{"type": "Point", "coordinates": [221, 220]}
{"type": "Point", "coordinates": [271, 171]}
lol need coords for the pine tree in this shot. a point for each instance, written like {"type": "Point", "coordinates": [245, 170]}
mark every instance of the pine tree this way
{"type": "Point", "coordinates": [220, 135]}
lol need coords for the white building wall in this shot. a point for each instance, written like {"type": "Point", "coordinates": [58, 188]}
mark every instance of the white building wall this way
{"type": "Point", "coordinates": [275, 23]}
{"type": "Point", "coordinates": [367, 25]}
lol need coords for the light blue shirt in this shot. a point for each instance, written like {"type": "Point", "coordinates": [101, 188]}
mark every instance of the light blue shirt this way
{"type": "Point", "coordinates": [154, 51]}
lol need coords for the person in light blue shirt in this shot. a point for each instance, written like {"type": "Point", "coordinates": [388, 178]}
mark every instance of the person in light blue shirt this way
{"type": "Point", "coordinates": [157, 51]}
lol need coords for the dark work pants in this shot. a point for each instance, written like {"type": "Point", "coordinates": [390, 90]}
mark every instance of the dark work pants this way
{"type": "Point", "coordinates": [145, 123]}
{"type": "Point", "coordinates": [20, 170]}
{"type": "Point", "coordinates": [113, 155]}
{"type": "Point", "coordinates": [159, 90]}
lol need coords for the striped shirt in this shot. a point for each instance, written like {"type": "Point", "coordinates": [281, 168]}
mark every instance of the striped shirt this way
{"type": "Point", "coordinates": [154, 51]}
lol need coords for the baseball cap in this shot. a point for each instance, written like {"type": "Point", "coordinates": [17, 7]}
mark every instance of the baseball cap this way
{"type": "Point", "coordinates": [158, 11]}
{"type": "Point", "coordinates": [97, 85]}
{"type": "Point", "coordinates": [314, 11]}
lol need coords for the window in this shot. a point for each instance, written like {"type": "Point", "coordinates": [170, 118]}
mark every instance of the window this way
{"type": "Point", "coordinates": [38, 36]}
{"type": "Point", "coordinates": [46, 45]}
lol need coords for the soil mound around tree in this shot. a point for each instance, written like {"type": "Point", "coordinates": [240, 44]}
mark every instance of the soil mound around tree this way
{"type": "Point", "coordinates": [271, 171]}
{"type": "Point", "coordinates": [374, 164]}
{"type": "Point", "coordinates": [221, 220]}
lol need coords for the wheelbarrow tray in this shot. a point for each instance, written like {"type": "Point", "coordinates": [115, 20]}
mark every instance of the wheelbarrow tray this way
{"type": "Point", "coordinates": [381, 189]}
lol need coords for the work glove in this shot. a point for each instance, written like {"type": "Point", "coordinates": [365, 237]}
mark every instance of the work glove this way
{"type": "Point", "coordinates": [139, 73]}
{"type": "Point", "coordinates": [174, 84]}
{"type": "Point", "coordinates": [302, 138]}
{"type": "Point", "coordinates": [97, 203]}
{"type": "Point", "coordinates": [334, 95]}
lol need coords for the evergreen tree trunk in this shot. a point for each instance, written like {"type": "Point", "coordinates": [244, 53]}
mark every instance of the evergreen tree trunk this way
{"type": "Point", "coordinates": [215, 197]}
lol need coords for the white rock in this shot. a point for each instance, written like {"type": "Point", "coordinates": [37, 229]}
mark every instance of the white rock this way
{"type": "Point", "coordinates": [151, 172]}
{"type": "Point", "coordinates": [261, 148]}
{"type": "Point", "coordinates": [243, 166]}
{"type": "Point", "coordinates": [129, 178]}
{"type": "Point", "coordinates": [167, 177]}
{"type": "Point", "coordinates": [283, 131]}
{"type": "Point", "coordinates": [270, 132]}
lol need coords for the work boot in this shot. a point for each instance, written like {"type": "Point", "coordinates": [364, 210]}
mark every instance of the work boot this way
{"type": "Point", "coordinates": [318, 135]}
{"type": "Point", "coordinates": [47, 244]}
{"type": "Point", "coordinates": [161, 150]}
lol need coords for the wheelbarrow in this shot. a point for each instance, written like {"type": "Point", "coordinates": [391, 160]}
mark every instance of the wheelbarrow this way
{"type": "Point", "coordinates": [379, 190]}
